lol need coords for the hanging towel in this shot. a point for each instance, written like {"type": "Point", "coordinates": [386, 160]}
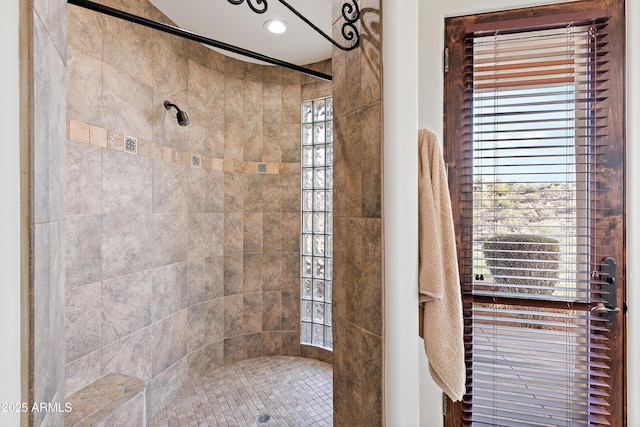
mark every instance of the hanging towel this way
{"type": "Point", "coordinates": [440, 306]}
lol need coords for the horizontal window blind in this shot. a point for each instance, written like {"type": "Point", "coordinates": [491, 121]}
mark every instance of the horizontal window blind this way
{"type": "Point", "coordinates": [535, 106]}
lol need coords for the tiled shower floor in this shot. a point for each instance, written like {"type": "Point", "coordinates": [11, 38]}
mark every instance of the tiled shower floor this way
{"type": "Point", "coordinates": [293, 391]}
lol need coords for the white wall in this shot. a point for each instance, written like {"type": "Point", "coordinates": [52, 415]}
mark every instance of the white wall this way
{"type": "Point", "coordinates": [400, 73]}
{"type": "Point", "coordinates": [10, 212]}
{"type": "Point", "coordinates": [431, 45]}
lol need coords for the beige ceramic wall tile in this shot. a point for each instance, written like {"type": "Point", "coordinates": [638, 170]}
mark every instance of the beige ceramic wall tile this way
{"type": "Point", "coordinates": [98, 136]}
{"type": "Point", "coordinates": [271, 343]}
{"type": "Point", "coordinates": [291, 232]}
{"type": "Point", "coordinates": [216, 237]}
{"type": "Point", "coordinates": [170, 238]}
{"type": "Point", "coordinates": [234, 133]}
{"type": "Point", "coordinates": [233, 274]}
{"type": "Point", "coordinates": [309, 351]}
{"type": "Point", "coordinates": [131, 413]}
{"type": "Point", "coordinates": [79, 131]}
{"type": "Point", "coordinates": [252, 346]}
{"type": "Point", "coordinates": [272, 233]}
{"type": "Point", "coordinates": [41, 253]}
{"type": "Point", "coordinates": [290, 311]}
{"type": "Point", "coordinates": [252, 313]}
{"type": "Point", "coordinates": [290, 143]}
{"type": "Point", "coordinates": [371, 161]}
{"type": "Point", "coordinates": [214, 277]}
{"type": "Point", "coordinates": [233, 197]}
{"type": "Point", "coordinates": [128, 49]}
{"type": "Point", "coordinates": [252, 273]}
{"type": "Point", "coordinates": [130, 355]}
{"type": "Point", "coordinates": [347, 177]}
{"type": "Point", "coordinates": [85, 32]}
{"type": "Point", "coordinates": [81, 372]}
{"type": "Point", "coordinates": [291, 271]}
{"type": "Point", "coordinates": [215, 192]}
{"type": "Point", "coordinates": [233, 349]}
{"type": "Point", "coordinates": [126, 183]}
{"type": "Point", "coordinates": [126, 240]}
{"type": "Point", "coordinates": [196, 329]}
{"type": "Point", "coordinates": [214, 321]}
{"type": "Point", "coordinates": [214, 356]}
{"type": "Point", "coordinates": [272, 193]}
{"type": "Point", "coordinates": [165, 385]}
{"type": "Point", "coordinates": [82, 321]}
{"type": "Point", "coordinates": [233, 315]}
{"type": "Point", "coordinates": [291, 343]}
{"type": "Point", "coordinates": [196, 361]}
{"type": "Point", "coordinates": [169, 341]}
{"type": "Point", "coordinates": [254, 148]}
{"type": "Point", "coordinates": [196, 281]}
{"type": "Point", "coordinates": [127, 104]}
{"type": "Point", "coordinates": [199, 235]}
{"type": "Point", "coordinates": [84, 250]}
{"type": "Point", "coordinates": [169, 290]}
{"type": "Point", "coordinates": [115, 140]}
{"type": "Point", "coordinates": [272, 271]}
{"type": "Point", "coordinates": [119, 317]}
{"type": "Point", "coordinates": [252, 193]}
{"type": "Point", "coordinates": [291, 99]}
{"type": "Point", "coordinates": [182, 157]}
{"type": "Point", "coordinates": [84, 102]}
{"type": "Point", "coordinates": [197, 189]}
{"type": "Point", "coordinates": [272, 311]}
{"type": "Point", "coordinates": [252, 232]}
{"type": "Point", "coordinates": [291, 193]}
{"type": "Point", "coordinates": [233, 233]}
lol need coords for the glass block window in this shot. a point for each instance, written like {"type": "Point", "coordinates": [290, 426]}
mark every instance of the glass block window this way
{"type": "Point", "coordinates": [317, 222]}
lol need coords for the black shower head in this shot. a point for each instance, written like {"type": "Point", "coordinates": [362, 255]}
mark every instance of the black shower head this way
{"type": "Point", "coordinates": [182, 117]}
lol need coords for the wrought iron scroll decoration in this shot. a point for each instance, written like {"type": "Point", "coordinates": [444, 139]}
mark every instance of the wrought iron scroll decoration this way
{"type": "Point", "coordinates": [260, 7]}
{"type": "Point", "coordinates": [350, 13]}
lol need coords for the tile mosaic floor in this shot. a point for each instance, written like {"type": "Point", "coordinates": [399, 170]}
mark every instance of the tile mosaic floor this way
{"type": "Point", "coordinates": [292, 391]}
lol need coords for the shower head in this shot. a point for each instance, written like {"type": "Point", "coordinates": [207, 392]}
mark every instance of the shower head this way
{"type": "Point", "coordinates": [182, 117]}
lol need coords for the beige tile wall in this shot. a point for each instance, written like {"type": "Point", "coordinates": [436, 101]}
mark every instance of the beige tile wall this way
{"type": "Point", "coordinates": [358, 281]}
{"type": "Point", "coordinates": [43, 192]}
{"type": "Point", "coordinates": [174, 270]}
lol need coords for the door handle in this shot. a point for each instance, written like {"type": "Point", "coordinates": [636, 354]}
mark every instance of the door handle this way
{"type": "Point", "coordinates": [601, 308]}
{"type": "Point", "coordinates": [609, 276]}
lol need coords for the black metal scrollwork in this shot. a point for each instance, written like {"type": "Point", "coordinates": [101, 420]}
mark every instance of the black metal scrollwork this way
{"type": "Point", "coordinates": [261, 6]}
{"type": "Point", "coordinates": [350, 13]}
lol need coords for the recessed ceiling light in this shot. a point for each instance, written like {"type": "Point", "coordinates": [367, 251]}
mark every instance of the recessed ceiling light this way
{"type": "Point", "coordinates": [275, 26]}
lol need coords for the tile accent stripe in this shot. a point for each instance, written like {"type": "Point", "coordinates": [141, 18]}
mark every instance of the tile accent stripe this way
{"type": "Point", "coordinates": [104, 138]}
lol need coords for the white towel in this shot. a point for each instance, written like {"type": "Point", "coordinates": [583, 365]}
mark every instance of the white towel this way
{"type": "Point", "coordinates": [440, 307]}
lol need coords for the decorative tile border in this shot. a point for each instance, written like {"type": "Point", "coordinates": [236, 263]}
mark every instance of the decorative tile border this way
{"type": "Point", "coordinates": [104, 138]}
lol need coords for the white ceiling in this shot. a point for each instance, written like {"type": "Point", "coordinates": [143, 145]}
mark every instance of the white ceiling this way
{"type": "Point", "coordinates": [238, 25]}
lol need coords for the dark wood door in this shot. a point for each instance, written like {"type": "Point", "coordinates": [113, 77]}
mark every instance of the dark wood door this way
{"type": "Point", "coordinates": [504, 301]}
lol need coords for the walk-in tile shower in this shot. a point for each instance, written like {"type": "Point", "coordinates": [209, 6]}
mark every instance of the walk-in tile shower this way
{"type": "Point", "coordinates": [183, 255]}
{"type": "Point", "coordinates": [163, 251]}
